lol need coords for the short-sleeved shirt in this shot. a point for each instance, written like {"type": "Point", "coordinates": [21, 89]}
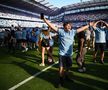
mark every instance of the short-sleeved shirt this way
{"type": "Point", "coordinates": [2, 35]}
{"type": "Point", "coordinates": [24, 34]}
{"type": "Point", "coordinates": [18, 34]}
{"type": "Point", "coordinates": [80, 36]}
{"type": "Point", "coordinates": [107, 34]}
{"type": "Point", "coordinates": [51, 41]}
{"type": "Point", "coordinates": [100, 35]}
{"type": "Point", "coordinates": [37, 35]}
{"type": "Point", "coordinates": [33, 36]}
{"type": "Point", "coordinates": [29, 34]}
{"type": "Point", "coordinates": [43, 36]}
{"type": "Point", "coordinates": [66, 40]}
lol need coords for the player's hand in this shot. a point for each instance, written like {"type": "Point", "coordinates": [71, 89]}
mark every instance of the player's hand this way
{"type": "Point", "coordinates": [91, 23]}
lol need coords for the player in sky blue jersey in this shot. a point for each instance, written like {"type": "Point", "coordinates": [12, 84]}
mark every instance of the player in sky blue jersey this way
{"type": "Point", "coordinates": [66, 38]}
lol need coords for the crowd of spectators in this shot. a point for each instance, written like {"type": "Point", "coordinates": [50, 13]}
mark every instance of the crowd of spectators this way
{"type": "Point", "coordinates": [86, 17]}
{"type": "Point", "coordinates": [7, 23]}
{"type": "Point", "coordinates": [17, 36]}
{"type": "Point", "coordinates": [8, 17]}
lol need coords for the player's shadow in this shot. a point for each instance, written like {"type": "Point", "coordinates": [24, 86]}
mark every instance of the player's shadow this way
{"type": "Point", "coordinates": [51, 76]}
{"type": "Point", "coordinates": [28, 57]}
{"type": "Point", "coordinates": [47, 75]}
{"type": "Point", "coordinates": [95, 76]}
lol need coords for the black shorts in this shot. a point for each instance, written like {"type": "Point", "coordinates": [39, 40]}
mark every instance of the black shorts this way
{"type": "Point", "coordinates": [65, 61]}
{"type": "Point", "coordinates": [99, 46]}
{"type": "Point", "coordinates": [107, 44]}
{"type": "Point", "coordinates": [45, 43]}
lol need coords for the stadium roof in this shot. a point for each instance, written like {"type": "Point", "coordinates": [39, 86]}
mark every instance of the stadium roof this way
{"type": "Point", "coordinates": [43, 6]}
{"type": "Point", "coordinates": [29, 5]}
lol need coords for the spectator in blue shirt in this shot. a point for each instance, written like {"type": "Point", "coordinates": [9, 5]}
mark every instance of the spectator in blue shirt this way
{"type": "Point", "coordinates": [100, 39]}
{"type": "Point", "coordinates": [24, 40]}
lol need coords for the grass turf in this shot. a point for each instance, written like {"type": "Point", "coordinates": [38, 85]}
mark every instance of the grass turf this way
{"type": "Point", "coordinates": [18, 66]}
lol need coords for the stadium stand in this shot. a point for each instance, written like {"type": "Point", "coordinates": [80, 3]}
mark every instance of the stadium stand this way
{"type": "Point", "coordinates": [26, 12]}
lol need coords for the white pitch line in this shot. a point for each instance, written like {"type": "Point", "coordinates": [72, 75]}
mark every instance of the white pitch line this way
{"type": "Point", "coordinates": [33, 76]}
{"type": "Point", "coordinates": [28, 79]}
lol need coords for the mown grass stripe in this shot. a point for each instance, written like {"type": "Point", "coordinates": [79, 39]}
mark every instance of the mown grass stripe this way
{"type": "Point", "coordinates": [33, 76]}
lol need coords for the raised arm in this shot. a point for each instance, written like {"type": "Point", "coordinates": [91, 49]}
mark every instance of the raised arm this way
{"type": "Point", "coordinates": [48, 23]}
{"type": "Point", "coordinates": [104, 22]}
{"type": "Point", "coordinates": [95, 24]}
{"type": "Point", "coordinates": [84, 27]}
